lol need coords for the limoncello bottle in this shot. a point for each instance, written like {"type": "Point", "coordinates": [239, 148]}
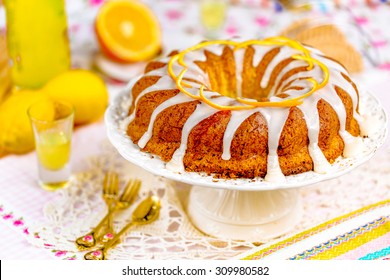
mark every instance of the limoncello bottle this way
{"type": "Point", "coordinates": [37, 40]}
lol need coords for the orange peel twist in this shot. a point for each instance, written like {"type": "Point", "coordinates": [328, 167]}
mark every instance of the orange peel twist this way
{"type": "Point", "coordinates": [249, 103]}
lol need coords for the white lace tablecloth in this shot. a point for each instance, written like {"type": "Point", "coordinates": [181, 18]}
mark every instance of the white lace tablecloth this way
{"type": "Point", "coordinates": [35, 224]}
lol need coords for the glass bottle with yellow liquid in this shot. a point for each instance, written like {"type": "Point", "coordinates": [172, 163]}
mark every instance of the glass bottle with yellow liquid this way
{"type": "Point", "coordinates": [37, 40]}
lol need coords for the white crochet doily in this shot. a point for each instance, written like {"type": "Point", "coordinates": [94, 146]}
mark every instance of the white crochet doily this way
{"type": "Point", "coordinates": [80, 207]}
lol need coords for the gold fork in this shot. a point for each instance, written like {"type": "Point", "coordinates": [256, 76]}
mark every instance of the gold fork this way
{"type": "Point", "coordinates": [125, 200]}
{"type": "Point", "coordinates": [146, 212]}
{"type": "Point", "coordinates": [110, 195]}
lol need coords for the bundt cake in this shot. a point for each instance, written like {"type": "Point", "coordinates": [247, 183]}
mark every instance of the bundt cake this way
{"type": "Point", "coordinates": [261, 108]}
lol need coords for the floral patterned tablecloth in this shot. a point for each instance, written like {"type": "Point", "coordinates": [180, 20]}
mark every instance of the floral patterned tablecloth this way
{"type": "Point", "coordinates": [22, 202]}
{"type": "Point", "coordinates": [364, 22]}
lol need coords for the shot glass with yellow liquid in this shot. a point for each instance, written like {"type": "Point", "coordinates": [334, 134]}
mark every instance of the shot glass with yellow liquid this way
{"type": "Point", "coordinates": [52, 123]}
{"type": "Point", "coordinates": [212, 16]}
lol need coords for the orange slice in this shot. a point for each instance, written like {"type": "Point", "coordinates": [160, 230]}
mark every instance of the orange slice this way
{"type": "Point", "coordinates": [128, 31]}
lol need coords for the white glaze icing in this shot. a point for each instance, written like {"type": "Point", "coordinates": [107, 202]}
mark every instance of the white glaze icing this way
{"type": "Point", "coordinates": [310, 113]}
{"type": "Point", "coordinates": [352, 145]}
{"type": "Point", "coordinates": [164, 82]}
{"type": "Point", "coordinates": [283, 54]}
{"type": "Point", "coordinates": [236, 119]}
{"type": "Point", "coordinates": [294, 64]}
{"type": "Point", "coordinates": [177, 99]}
{"type": "Point", "coordinates": [275, 117]}
{"type": "Point", "coordinates": [368, 125]}
{"type": "Point", "coordinates": [260, 52]}
{"type": "Point", "coordinates": [201, 112]}
{"type": "Point", "coordinates": [239, 63]}
{"type": "Point", "coordinates": [298, 77]}
{"type": "Point", "coordinates": [215, 49]}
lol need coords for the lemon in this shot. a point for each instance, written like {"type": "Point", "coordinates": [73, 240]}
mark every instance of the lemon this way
{"type": "Point", "coordinates": [44, 110]}
{"type": "Point", "coordinates": [16, 134]}
{"type": "Point", "coordinates": [82, 88]}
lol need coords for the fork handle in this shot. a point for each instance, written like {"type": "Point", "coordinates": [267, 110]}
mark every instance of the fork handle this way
{"type": "Point", "coordinates": [118, 235]}
{"type": "Point", "coordinates": [103, 221]}
{"type": "Point", "coordinates": [100, 254]}
{"type": "Point", "coordinates": [108, 233]}
{"type": "Point", "coordinates": [89, 240]}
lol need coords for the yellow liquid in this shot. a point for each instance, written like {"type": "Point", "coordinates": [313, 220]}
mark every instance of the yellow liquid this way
{"type": "Point", "coordinates": [54, 186]}
{"type": "Point", "coordinates": [37, 40]}
{"type": "Point", "coordinates": [212, 14]}
{"type": "Point", "coordinates": [53, 150]}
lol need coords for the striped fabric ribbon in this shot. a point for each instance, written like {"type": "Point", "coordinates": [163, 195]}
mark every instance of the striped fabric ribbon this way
{"type": "Point", "coordinates": [360, 235]}
{"type": "Point", "coordinates": [329, 5]}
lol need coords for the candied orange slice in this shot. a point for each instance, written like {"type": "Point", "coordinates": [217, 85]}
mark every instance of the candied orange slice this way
{"type": "Point", "coordinates": [128, 31]}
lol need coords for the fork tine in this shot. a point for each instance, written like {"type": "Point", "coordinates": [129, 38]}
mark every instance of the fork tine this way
{"type": "Point", "coordinates": [128, 189]}
{"type": "Point", "coordinates": [115, 184]}
{"type": "Point", "coordinates": [107, 182]}
{"type": "Point", "coordinates": [131, 191]}
{"type": "Point", "coordinates": [134, 190]}
{"type": "Point", "coordinates": [111, 184]}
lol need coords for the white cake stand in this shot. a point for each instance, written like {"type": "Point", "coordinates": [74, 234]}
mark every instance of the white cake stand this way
{"type": "Point", "coordinates": [243, 209]}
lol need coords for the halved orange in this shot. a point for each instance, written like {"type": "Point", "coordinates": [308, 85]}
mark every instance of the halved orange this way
{"type": "Point", "coordinates": [128, 31]}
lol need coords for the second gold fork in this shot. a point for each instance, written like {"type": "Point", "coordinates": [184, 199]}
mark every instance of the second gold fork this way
{"type": "Point", "coordinates": [125, 201]}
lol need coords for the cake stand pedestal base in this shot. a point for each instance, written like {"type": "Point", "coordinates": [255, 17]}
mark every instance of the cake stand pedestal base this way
{"type": "Point", "coordinates": [244, 215]}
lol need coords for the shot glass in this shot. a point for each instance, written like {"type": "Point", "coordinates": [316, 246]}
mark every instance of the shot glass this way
{"type": "Point", "coordinates": [52, 124]}
{"type": "Point", "coordinates": [212, 16]}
